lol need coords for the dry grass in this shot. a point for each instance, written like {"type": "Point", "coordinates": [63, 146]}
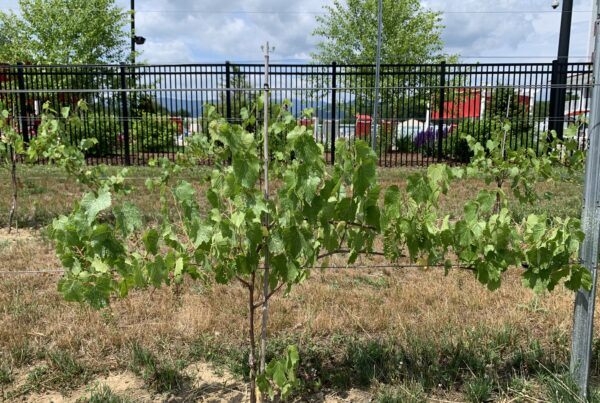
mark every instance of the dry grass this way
{"type": "Point", "coordinates": [371, 304]}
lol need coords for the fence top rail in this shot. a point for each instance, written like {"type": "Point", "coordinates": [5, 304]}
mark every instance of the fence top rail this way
{"type": "Point", "coordinates": [304, 89]}
{"type": "Point", "coordinates": [307, 65]}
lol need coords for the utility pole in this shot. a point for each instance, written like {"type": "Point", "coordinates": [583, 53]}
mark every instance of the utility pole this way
{"type": "Point", "coordinates": [558, 91]}
{"type": "Point", "coordinates": [583, 315]}
{"type": "Point", "coordinates": [592, 30]}
{"type": "Point", "coordinates": [377, 73]}
{"type": "Point", "coordinates": [135, 40]}
{"type": "Point", "coordinates": [132, 31]}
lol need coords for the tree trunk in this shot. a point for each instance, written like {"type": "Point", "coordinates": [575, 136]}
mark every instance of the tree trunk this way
{"type": "Point", "coordinates": [252, 357]}
{"type": "Point", "coordinates": [14, 183]}
{"type": "Point", "coordinates": [265, 314]}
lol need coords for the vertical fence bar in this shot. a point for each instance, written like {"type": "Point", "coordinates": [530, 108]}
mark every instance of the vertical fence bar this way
{"type": "Point", "coordinates": [228, 94]}
{"type": "Point", "coordinates": [125, 114]}
{"type": "Point", "coordinates": [441, 108]}
{"type": "Point", "coordinates": [333, 109]}
{"type": "Point", "coordinates": [22, 102]}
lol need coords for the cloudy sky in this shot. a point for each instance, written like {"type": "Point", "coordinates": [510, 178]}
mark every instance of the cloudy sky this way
{"type": "Point", "coordinates": [187, 31]}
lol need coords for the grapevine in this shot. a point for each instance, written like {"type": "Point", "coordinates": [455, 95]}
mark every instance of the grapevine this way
{"type": "Point", "coordinates": [314, 212]}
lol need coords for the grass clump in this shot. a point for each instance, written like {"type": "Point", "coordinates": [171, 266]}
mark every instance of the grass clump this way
{"type": "Point", "coordinates": [6, 376]}
{"type": "Point", "coordinates": [162, 377]}
{"type": "Point", "coordinates": [103, 394]}
{"type": "Point", "coordinates": [478, 390]}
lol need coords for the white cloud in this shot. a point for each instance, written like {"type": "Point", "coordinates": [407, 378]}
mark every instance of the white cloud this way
{"type": "Point", "coordinates": [507, 31]}
{"type": "Point", "coordinates": [211, 31]}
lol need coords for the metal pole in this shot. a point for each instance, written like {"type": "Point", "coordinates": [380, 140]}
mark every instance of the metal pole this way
{"type": "Point", "coordinates": [132, 31]}
{"type": "Point", "coordinates": [125, 114]}
{"type": "Point", "coordinates": [563, 60]}
{"type": "Point", "coordinates": [265, 305]}
{"type": "Point", "coordinates": [592, 30]}
{"type": "Point", "coordinates": [583, 316]}
{"type": "Point", "coordinates": [377, 72]}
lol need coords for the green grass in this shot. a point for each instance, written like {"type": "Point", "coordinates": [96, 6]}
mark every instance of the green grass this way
{"type": "Point", "coordinates": [103, 394]}
{"type": "Point", "coordinates": [46, 192]}
{"type": "Point", "coordinates": [478, 390]}
{"type": "Point", "coordinates": [161, 376]}
{"type": "Point", "coordinates": [415, 367]}
{"type": "Point", "coordinates": [6, 376]}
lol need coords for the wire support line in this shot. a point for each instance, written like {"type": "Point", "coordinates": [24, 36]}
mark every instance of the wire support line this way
{"type": "Point", "coordinates": [350, 267]}
{"type": "Point", "coordinates": [540, 118]}
{"type": "Point", "coordinates": [191, 11]}
{"type": "Point", "coordinates": [279, 89]}
{"type": "Point", "coordinates": [27, 272]}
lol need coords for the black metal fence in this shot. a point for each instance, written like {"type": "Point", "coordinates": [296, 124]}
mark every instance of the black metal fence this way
{"type": "Point", "coordinates": [145, 111]}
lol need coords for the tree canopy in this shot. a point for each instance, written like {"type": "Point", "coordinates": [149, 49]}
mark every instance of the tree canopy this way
{"type": "Point", "coordinates": [64, 31]}
{"type": "Point", "coordinates": [348, 32]}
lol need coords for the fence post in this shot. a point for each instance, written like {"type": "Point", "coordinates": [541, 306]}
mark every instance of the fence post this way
{"type": "Point", "coordinates": [333, 108]}
{"type": "Point", "coordinates": [583, 314]}
{"type": "Point", "coordinates": [228, 93]}
{"type": "Point", "coordinates": [125, 114]}
{"type": "Point", "coordinates": [441, 108]}
{"type": "Point", "coordinates": [22, 103]}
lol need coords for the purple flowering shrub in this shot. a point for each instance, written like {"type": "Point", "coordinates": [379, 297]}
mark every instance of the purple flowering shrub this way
{"type": "Point", "coordinates": [426, 141]}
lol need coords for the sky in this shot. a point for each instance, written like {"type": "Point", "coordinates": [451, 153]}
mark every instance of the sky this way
{"type": "Point", "coordinates": [203, 31]}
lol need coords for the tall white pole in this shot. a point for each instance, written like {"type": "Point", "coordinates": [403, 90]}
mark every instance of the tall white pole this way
{"type": "Point", "coordinates": [583, 316]}
{"type": "Point", "coordinates": [377, 73]}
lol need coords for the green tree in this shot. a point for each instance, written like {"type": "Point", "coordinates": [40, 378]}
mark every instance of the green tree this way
{"type": "Point", "coordinates": [411, 34]}
{"type": "Point", "coordinates": [64, 32]}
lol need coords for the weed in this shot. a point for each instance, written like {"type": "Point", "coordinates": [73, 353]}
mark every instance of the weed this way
{"type": "Point", "coordinates": [36, 377]}
{"type": "Point", "coordinates": [561, 388]}
{"type": "Point", "coordinates": [5, 375]}
{"type": "Point", "coordinates": [22, 354]}
{"type": "Point", "coordinates": [163, 377]}
{"type": "Point", "coordinates": [478, 390]}
{"type": "Point", "coordinates": [65, 363]}
{"type": "Point", "coordinates": [103, 394]}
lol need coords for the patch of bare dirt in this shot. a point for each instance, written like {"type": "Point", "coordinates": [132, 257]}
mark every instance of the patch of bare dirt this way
{"type": "Point", "coordinates": [19, 234]}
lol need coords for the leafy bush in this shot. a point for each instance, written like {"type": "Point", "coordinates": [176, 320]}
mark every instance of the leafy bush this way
{"type": "Point", "coordinates": [154, 133]}
{"type": "Point", "coordinates": [106, 129]}
{"type": "Point", "coordinates": [479, 129]}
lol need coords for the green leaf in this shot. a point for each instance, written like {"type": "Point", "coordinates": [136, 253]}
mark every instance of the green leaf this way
{"type": "Point", "coordinates": [127, 218]}
{"type": "Point", "coordinates": [92, 205]}
{"type": "Point", "coordinates": [99, 266]}
{"type": "Point", "coordinates": [279, 375]}
{"type": "Point", "coordinates": [150, 240]}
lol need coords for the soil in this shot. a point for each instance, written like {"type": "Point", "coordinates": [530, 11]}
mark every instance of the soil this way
{"type": "Point", "coordinates": [207, 385]}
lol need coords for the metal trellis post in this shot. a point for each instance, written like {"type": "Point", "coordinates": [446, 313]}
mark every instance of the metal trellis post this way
{"type": "Point", "coordinates": [583, 316]}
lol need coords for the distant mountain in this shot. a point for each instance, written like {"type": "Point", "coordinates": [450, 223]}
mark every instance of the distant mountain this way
{"type": "Point", "coordinates": [174, 105]}
{"type": "Point", "coordinates": [194, 107]}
